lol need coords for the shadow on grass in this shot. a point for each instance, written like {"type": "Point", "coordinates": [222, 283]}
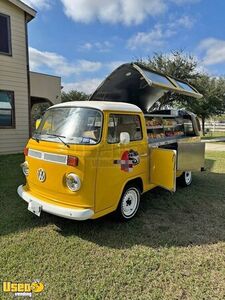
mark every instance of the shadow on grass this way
{"type": "Point", "coordinates": [191, 216]}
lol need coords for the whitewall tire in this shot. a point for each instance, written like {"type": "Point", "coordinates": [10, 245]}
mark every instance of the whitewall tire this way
{"type": "Point", "coordinates": [185, 179]}
{"type": "Point", "coordinates": [129, 203]}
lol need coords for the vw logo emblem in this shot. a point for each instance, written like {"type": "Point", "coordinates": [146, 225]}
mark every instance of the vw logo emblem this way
{"type": "Point", "coordinates": [41, 175]}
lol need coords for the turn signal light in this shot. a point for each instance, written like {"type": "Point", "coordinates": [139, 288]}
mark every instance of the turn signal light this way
{"type": "Point", "coordinates": [72, 161]}
{"type": "Point", "coordinates": [25, 151]}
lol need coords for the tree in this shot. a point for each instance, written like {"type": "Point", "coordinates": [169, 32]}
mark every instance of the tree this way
{"type": "Point", "coordinates": [74, 96]}
{"type": "Point", "coordinates": [177, 64]}
{"type": "Point", "coordinates": [185, 67]}
{"type": "Point", "coordinates": [213, 101]}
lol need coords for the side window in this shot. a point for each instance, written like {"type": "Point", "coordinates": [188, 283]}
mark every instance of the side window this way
{"type": "Point", "coordinates": [7, 110]}
{"type": "Point", "coordinates": [124, 123]}
{"type": "Point", "coordinates": [5, 35]}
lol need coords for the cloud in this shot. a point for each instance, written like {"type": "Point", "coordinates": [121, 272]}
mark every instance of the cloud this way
{"type": "Point", "coordinates": [39, 4]}
{"type": "Point", "coordinates": [214, 51]}
{"type": "Point", "coordinates": [87, 86]}
{"type": "Point", "coordinates": [182, 2]}
{"type": "Point", "coordinates": [87, 46]}
{"type": "Point", "coordinates": [184, 21]}
{"type": "Point", "coordinates": [59, 65]}
{"type": "Point", "coordinates": [158, 36]}
{"type": "Point", "coordinates": [128, 12]}
{"type": "Point", "coordinates": [154, 38]}
{"type": "Point", "coordinates": [104, 46]}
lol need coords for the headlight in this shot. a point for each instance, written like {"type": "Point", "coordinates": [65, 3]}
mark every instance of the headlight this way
{"type": "Point", "coordinates": [25, 168]}
{"type": "Point", "coordinates": [73, 182]}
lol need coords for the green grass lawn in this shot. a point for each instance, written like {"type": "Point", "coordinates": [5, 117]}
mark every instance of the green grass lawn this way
{"type": "Point", "coordinates": [213, 135]}
{"type": "Point", "coordinates": [174, 249]}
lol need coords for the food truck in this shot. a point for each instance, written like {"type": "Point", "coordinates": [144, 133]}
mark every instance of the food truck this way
{"type": "Point", "coordinates": [90, 158]}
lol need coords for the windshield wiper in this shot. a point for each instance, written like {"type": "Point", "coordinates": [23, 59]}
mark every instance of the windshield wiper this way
{"type": "Point", "coordinates": [35, 137]}
{"type": "Point", "coordinates": [59, 137]}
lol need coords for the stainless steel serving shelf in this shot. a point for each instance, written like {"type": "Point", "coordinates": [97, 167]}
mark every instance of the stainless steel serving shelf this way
{"type": "Point", "coordinates": [161, 116]}
{"type": "Point", "coordinates": [164, 141]}
{"type": "Point", "coordinates": [155, 127]}
{"type": "Point", "coordinates": [163, 126]}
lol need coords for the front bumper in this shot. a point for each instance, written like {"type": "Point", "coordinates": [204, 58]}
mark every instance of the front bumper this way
{"type": "Point", "coordinates": [68, 213]}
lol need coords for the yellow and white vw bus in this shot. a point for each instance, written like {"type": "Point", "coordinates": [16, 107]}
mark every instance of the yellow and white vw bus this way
{"type": "Point", "coordinates": [90, 158]}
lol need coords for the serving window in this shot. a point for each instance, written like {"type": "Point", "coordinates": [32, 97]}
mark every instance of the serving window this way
{"type": "Point", "coordinates": [165, 127]}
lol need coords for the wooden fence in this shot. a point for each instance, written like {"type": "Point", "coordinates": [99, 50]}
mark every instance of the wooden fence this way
{"type": "Point", "coordinates": [215, 126]}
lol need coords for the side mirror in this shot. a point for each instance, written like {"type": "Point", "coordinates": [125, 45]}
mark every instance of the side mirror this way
{"type": "Point", "coordinates": [37, 123]}
{"type": "Point", "coordinates": [124, 138]}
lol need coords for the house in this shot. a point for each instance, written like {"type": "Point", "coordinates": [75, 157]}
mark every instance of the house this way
{"type": "Point", "coordinates": [20, 89]}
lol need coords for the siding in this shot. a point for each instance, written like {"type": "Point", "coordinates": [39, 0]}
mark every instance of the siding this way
{"type": "Point", "coordinates": [13, 76]}
{"type": "Point", "coordinates": [46, 87]}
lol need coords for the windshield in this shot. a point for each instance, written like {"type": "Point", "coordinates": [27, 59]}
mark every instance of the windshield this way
{"type": "Point", "coordinates": [74, 125]}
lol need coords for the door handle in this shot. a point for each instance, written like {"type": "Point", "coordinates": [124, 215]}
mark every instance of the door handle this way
{"type": "Point", "coordinates": [143, 154]}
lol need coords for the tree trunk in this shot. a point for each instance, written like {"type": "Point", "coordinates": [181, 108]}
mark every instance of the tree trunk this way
{"type": "Point", "coordinates": [203, 125]}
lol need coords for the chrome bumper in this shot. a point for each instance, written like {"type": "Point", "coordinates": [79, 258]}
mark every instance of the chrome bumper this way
{"type": "Point", "coordinates": [68, 213]}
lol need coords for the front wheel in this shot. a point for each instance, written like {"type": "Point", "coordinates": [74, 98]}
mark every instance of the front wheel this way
{"type": "Point", "coordinates": [185, 179]}
{"type": "Point", "coordinates": [129, 203]}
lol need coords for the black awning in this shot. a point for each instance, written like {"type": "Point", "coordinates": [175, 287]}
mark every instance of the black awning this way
{"type": "Point", "coordinates": [140, 86]}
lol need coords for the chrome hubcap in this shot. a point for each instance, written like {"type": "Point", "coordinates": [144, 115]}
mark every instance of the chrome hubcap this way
{"type": "Point", "coordinates": [188, 177]}
{"type": "Point", "coordinates": [129, 203]}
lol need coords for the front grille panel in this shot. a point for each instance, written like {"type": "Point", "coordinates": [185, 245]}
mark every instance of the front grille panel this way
{"type": "Point", "coordinates": [33, 153]}
{"type": "Point", "coordinates": [51, 157]}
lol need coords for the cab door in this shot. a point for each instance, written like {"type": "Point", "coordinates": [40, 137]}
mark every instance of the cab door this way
{"type": "Point", "coordinates": [117, 163]}
{"type": "Point", "coordinates": [163, 168]}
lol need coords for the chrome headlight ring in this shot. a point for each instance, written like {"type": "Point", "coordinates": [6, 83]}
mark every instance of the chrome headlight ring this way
{"type": "Point", "coordinates": [73, 182]}
{"type": "Point", "coordinates": [25, 168]}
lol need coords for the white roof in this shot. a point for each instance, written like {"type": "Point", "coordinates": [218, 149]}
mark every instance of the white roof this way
{"type": "Point", "coordinates": [102, 105]}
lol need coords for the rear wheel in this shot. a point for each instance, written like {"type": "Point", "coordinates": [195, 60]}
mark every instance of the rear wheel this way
{"type": "Point", "coordinates": [185, 179]}
{"type": "Point", "coordinates": [129, 203]}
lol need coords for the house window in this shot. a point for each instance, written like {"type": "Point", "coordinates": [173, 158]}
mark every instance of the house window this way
{"type": "Point", "coordinates": [7, 109]}
{"type": "Point", "coordinates": [5, 35]}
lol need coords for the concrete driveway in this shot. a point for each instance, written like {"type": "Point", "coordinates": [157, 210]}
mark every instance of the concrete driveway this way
{"type": "Point", "coordinates": [215, 146]}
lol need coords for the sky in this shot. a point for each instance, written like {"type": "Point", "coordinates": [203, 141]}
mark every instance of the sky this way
{"type": "Point", "coordinates": [84, 40]}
